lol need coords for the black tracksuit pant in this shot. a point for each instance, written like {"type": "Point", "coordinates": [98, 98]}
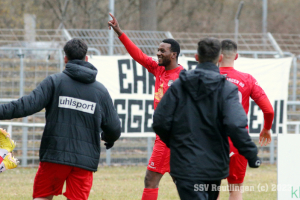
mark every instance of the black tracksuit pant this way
{"type": "Point", "coordinates": [197, 190]}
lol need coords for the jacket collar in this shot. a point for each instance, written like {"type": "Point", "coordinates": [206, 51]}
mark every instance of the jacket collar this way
{"type": "Point", "coordinates": [208, 66]}
{"type": "Point", "coordinates": [81, 71]}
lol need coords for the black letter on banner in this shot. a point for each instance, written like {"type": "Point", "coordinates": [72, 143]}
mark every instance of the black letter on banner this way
{"type": "Point", "coordinates": [121, 102]}
{"type": "Point", "coordinates": [136, 119]}
{"type": "Point", "coordinates": [253, 118]}
{"type": "Point", "coordinates": [138, 78]}
{"type": "Point", "coordinates": [191, 64]}
{"type": "Point", "coordinates": [123, 76]}
{"type": "Point", "coordinates": [148, 116]}
{"type": "Point", "coordinates": [281, 116]}
{"type": "Point", "coordinates": [151, 85]}
{"type": "Point", "coordinates": [275, 118]}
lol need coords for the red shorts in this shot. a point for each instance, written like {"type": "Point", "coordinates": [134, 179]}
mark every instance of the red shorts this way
{"type": "Point", "coordinates": [237, 165]}
{"type": "Point", "coordinates": [50, 179]}
{"type": "Point", "coordinates": [160, 158]}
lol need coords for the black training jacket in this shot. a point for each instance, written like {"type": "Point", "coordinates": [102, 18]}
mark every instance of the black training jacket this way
{"type": "Point", "coordinates": [78, 108]}
{"type": "Point", "coordinates": [195, 117]}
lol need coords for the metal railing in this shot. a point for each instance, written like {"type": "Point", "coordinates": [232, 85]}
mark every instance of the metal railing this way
{"type": "Point", "coordinates": [147, 40]}
{"type": "Point", "coordinates": [9, 126]}
{"type": "Point", "coordinates": [116, 154]}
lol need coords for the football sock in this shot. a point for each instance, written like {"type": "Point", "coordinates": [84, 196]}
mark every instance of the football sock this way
{"type": "Point", "coordinates": [150, 194]}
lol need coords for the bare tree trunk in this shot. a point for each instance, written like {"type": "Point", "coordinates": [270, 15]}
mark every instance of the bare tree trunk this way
{"type": "Point", "coordinates": [148, 17]}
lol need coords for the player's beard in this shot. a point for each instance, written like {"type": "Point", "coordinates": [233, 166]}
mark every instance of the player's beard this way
{"type": "Point", "coordinates": [165, 62]}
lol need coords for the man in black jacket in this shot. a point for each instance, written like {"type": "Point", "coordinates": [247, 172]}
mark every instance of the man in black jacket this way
{"type": "Point", "coordinates": [78, 109]}
{"type": "Point", "coordinates": [194, 118]}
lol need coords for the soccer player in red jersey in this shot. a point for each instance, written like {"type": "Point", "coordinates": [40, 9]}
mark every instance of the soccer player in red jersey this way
{"type": "Point", "coordinates": [166, 71]}
{"type": "Point", "coordinates": [248, 87]}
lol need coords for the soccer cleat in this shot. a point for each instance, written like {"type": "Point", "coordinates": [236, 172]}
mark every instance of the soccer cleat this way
{"type": "Point", "coordinates": [10, 162]}
{"type": "Point", "coordinates": [5, 141]}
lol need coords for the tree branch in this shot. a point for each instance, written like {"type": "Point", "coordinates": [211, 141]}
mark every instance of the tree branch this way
{"type": "Point", "coordinates": [54, 10]}
{"type": "Point", "coordinates": [166, 12]}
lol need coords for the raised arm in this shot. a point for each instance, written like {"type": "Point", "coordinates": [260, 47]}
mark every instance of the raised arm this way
{"type": "Point", "coordinates": [30, 104]}
{"type": "Point", "coordinates": [135, 52]}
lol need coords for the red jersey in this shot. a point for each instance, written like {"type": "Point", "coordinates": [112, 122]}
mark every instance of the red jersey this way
{"type": "Point", "coordinates": [164, 78]}
{"type": "Point", "coordinates": [249, 87]}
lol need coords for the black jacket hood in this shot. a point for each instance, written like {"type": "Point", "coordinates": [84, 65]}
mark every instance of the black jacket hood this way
{"type": "Point", "coordinates": [81, 71]}
{"type": "Point", "coordinates": [199, 83]}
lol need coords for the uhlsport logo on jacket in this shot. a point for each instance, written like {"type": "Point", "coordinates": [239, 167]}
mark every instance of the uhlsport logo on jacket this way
{"type": "Point", "coordinates": [77, 104]}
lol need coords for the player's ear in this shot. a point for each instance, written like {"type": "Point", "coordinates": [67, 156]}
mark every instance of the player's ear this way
{"type": "Point", "coordinates": [174, 55]}
{"type": "Point", "coordinates": [86, 58]}
{"type": "Point", "coordinates": [236, 56]}
{"type": "Point", "coordinates": [220, 58]}
{"type": "Point", "coordinates": [197, 57]}
{"type": "Point", "coordinates": [66, 60]}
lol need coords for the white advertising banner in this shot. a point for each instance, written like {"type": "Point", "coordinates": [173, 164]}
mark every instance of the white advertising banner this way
{"type": "Point", "coordinates": [131, 87]}
{"type": "Point", "coordinates": [288, 166]}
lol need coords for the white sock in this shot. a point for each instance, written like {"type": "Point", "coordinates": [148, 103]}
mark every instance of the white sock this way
{"type": "Point", "coordinates": [2, 167]}
{"type": "Point", "coordinates": [3, 153]}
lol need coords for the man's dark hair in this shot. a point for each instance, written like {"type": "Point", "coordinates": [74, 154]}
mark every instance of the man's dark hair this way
{"type": "Point", "coordinates": [209, 50]}
{"type": "Point", "coordinates": [228, 45]}
{"type": "Point", "coordinates": [175, 47]}
{"type": "Point", "coordinates": [75, 49]}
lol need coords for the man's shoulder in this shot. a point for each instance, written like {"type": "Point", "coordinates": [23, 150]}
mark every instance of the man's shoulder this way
{"type": "Point", "coordinates": [62, 76]}
{"type": "Point", "coordinates": [99, 86]}
{"type": "Point", "coordinates": [59, 75]}
{"type": "Point", "coordinates": [243, 74]}
{"type": "Point", "coordinates": [229, 87]}
{"type": "Point", "coordinates": [56, 76]}
{"type": "Point", "coordinates": [176, 83]}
